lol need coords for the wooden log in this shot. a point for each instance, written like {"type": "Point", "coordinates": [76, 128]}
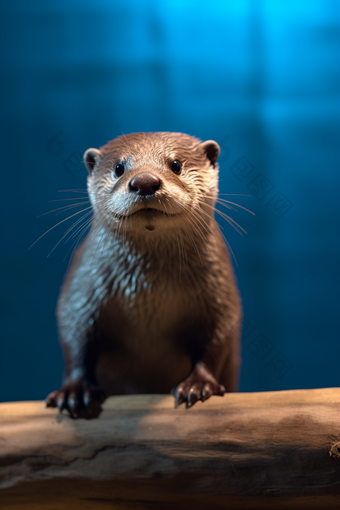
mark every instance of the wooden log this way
{"type": "Point", "coordinates": [267, 450]}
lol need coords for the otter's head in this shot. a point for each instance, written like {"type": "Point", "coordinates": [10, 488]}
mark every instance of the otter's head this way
{"type": "Point", "coordinates": [153, 181]}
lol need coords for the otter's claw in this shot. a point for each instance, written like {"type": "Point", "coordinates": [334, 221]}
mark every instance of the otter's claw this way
{"type": "Point", "coordinates": [200, 385]}
{"type": "Point", "coordinates": [80, 398]}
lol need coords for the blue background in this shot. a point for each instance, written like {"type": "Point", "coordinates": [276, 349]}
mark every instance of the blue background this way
{"type": "Point", "coordinates": [260, 77]}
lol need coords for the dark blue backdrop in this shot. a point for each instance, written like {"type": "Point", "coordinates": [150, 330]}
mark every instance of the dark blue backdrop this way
{"type": "Point", "coordinates": [261, 78]}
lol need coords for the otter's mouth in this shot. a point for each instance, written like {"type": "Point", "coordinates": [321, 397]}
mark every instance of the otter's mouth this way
{"type": "Point", "coordinates": [147, 212]}
{"type": "Point", "coordinates": [150, 210]}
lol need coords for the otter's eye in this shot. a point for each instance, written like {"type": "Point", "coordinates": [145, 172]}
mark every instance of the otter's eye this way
{"type": "Point", "coordinates": [119, 170]}
{"type": "Point", "coordinates": [176, 167]}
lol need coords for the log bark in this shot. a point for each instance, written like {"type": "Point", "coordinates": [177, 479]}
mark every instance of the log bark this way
{"type": "Point", "coordinates": [247, 450]}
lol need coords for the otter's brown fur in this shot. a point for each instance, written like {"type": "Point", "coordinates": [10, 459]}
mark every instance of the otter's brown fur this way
{"type": "Point", "coordinates": [150, 303]}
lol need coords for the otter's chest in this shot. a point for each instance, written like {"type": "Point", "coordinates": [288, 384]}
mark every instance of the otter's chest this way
{"type": "Point", "coordinates": [151, 340]}
{"type": "Point", "coordinates": [160, 312]}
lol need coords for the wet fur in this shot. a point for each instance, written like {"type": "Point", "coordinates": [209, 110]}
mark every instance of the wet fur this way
{"type": "Point", "coordinates": [141, 307]}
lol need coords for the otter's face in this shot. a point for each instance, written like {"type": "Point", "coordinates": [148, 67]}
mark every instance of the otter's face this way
{"type": "Point", "coordinates": [148, 182]}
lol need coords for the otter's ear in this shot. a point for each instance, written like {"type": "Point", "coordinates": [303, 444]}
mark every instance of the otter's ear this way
{"type": "Point", "coordinates": [91, 158]}
{"type": "Point", "coordinates": [212, 150]}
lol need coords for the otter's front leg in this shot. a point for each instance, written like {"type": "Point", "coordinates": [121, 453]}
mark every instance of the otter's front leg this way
{"type": "Point", "coordinates": [203, 382]}
{"type": "Point", "coordinates": [200, 385]}
{"type": "Point", "coordinates": [79, 393]}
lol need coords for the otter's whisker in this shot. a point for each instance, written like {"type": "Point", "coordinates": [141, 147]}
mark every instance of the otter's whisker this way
{"type": "Point", "coordinates": [199, 225]}
{"type": "Point", "coordinates": [60, 222]}
{"type": "Point", "coordinates": [73, 190]}
{"type": "Point", "coordinates": [68, 199]}
{"type": "Point", "coordinates": [75, 233]}
{"type": "Point", "coordinates": [196, 228]}
{"type": "Point", "coordinates": [79, 238]}
{"type": "Point", "coordinates": [214, 198]}
{"type": "Point", "coordinates": [96, 229]}
{"type": "Point", "coordinates": [231, 221]}
{"type": "Point", "coordinates": [191, 211]}
{"type": "Point", "coordinates": [194, 244]}
{"type": "Point", "coordinates": [71, 207]}
{"type": "Point", "coordinates": [63, 208]}
{"type": "Point", "coordinates": [223, 202]}
{"type": "Point", "coordinates": [202, 222]}
{"type": "Point", "coordinates": [69, 230]}
{"type": "Point", "coordinates": [225, 239]}
{"type": "Point", "coordinates": [234, 195]}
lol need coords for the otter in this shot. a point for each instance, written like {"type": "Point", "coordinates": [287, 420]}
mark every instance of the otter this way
{"type": "Point", "coordinates": [150, 303]}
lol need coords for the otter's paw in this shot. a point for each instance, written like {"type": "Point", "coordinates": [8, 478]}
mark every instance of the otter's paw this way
{"type": "Point", "coordinates": [200, 385]}
{"type": "Point", "coordinates": [80, 398]}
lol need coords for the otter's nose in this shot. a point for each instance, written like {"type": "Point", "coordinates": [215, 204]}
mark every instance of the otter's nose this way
{"type": "Point", "coordinates": [145, 184]}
